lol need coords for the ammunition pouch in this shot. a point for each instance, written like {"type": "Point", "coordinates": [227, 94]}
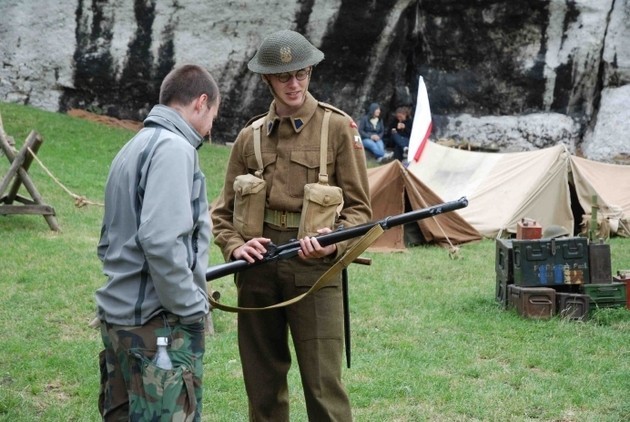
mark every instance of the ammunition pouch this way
{"type": "Point", "coordinates": [319, 208]}
{"type": "Point", "coordinates": [321, 201]}
{"type": "Point", "coordinates": [250, 194]}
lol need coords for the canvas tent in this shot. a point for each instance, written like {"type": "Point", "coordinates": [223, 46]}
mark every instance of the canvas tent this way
{"type": "Point", "coordinates": [502, 188]}
{"type": "Point", "coordinates": [395, 190]}
{"type": "Point", "coordinates": [610, 184]}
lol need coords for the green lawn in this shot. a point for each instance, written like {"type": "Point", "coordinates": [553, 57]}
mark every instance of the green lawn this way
{"type": "Point", "coordinates": [429, 341]}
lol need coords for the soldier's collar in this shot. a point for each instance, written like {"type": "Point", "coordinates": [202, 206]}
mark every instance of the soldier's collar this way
{"type": "Point", "coordinates": [298, 120]}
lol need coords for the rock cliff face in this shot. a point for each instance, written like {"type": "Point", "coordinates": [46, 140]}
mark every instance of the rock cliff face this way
{"type": "Point", "coordinates": [518, 74]}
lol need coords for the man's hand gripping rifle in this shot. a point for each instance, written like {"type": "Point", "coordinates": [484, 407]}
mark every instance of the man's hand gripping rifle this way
{"type": "Point", "coordinates": [290, 249]}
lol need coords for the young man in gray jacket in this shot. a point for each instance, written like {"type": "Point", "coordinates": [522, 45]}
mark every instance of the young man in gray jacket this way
{"type": "Point", "coordinates": [154, 248]}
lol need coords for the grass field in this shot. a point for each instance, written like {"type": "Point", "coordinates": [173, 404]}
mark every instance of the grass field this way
{"type": "Point", "coordinates": [429, 341]}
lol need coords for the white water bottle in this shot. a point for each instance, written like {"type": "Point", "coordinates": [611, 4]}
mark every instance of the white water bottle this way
{"type": "Point", "coordinates": [161, 358]}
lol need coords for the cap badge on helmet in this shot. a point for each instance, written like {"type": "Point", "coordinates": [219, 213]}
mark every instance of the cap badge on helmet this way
{"type": "Point", "coordinates": [285, 55]}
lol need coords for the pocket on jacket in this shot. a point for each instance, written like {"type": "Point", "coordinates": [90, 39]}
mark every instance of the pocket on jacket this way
{"type": "Point", "coordinates": [304, 169]}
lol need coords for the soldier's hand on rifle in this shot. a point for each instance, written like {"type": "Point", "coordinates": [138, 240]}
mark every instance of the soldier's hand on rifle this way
{"type": "Point", "coordinates": [253, 250]}
{"type": "Point", "coordinates": [310, 247]}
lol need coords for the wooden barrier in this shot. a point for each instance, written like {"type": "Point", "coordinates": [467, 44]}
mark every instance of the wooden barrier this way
{"type": "Point", "coordinates": [18, 176]}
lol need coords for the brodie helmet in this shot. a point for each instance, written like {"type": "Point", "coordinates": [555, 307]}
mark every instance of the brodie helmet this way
{"type": "Point", "coordinates": [555, 231]}
{"type": "Point", "coordinates": [284, 51]}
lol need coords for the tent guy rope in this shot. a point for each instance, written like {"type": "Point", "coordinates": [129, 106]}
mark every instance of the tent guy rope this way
{"type": "Point", "coordinates": [79, 201]}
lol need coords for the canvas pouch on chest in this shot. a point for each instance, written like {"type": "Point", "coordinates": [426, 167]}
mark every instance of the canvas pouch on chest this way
{"type": "Point", "coordinates": [320, 204]}
{"type": "Point", "coordinates": [321, 201]}
{"type": "Point", "coordinates": [250, 194]}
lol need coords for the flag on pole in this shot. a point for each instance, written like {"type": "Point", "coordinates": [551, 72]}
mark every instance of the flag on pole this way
{"type": "Point", "coordinates": [422, 124]}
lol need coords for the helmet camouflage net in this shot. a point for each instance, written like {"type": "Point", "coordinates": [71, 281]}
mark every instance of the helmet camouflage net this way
{"type": "Point", "coordinates": [284, 51]}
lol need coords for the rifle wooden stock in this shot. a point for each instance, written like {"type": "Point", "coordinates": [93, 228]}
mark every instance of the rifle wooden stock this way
{"type": "Point", "coordinates": [290, 249]}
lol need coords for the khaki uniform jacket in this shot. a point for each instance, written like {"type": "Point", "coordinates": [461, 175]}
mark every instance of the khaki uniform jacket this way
{"type": "Point", "coordinates": [290, 152]}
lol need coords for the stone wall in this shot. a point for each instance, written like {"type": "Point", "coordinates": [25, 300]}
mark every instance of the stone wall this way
{"type": "Point", "coordinates": [520, 75]}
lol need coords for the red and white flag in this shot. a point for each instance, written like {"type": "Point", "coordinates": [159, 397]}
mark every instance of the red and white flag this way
{"type": "Point", "coordinates": [422, 124]}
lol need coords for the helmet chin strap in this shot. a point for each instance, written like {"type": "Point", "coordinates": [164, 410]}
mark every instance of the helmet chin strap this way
{"type": "Point", "coordinates": [266, 81]}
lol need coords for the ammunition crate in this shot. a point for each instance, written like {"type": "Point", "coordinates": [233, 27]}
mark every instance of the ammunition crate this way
{"type": "Point", "coordinates": [623, 276]}
{"type": "Point", "coordinates": [504, 260]}
{"type": "Point", "coordinates": [533, 302]}
{"type": "Point", "coordinates": [599, 263]}
{"type": "Point", "coordinates": [551, 262]}
{"type": "Point", "coordinates": [572, 305]}
{"type": "Point", "coordinates": [609, 295]}
{"type": "Point", "coordinates": [501, 292]}
{"type": "Point", "coordinates": [504, 269]}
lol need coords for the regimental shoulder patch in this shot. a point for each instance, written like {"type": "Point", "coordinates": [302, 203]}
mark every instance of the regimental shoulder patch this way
{"type": "Point", "coordinates": [357, 144]}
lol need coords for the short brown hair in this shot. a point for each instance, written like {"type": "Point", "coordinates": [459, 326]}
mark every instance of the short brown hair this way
{"type": "Point", "coordinates": [185, 83]}
{"type": "Point", "coordinates": [404, 110]}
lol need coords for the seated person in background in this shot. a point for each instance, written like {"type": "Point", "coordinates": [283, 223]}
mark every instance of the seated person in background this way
{"type": "Point", "coordinates": [400, 132]}
{"type": "Point", "coordinates": [371, 129]}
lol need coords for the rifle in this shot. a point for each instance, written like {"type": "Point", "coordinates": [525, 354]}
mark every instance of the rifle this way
{"type": "Point", "coordinates": [291, 248]}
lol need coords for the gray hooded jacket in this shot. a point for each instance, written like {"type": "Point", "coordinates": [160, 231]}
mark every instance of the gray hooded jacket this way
{"type": "Point", "coordinates": [156, 227]}
{"type": "Point", "coordinates": [366, 128]}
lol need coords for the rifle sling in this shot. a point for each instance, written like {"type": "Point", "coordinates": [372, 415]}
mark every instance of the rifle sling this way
{"type": "Point", "coordinates": [329, 276]}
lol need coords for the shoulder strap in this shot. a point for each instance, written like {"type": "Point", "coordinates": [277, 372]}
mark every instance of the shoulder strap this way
{"type": "Point", "coordinates": [257, 148]}
{"type": "Point", "coordinates": [323, 148]}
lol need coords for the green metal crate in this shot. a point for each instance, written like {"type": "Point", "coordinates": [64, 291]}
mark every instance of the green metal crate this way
{"type": "Point", "coordinates": [551, 262]}
{"type": "Point", "coordinates": [606, 295]}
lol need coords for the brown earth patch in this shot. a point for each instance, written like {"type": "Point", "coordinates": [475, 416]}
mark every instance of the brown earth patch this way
{"type": "Point", "coordinates": [106, 120]}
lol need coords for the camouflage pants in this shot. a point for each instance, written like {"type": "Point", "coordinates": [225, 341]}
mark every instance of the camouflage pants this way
{"type": "Point", "coordinates": [134, 389]}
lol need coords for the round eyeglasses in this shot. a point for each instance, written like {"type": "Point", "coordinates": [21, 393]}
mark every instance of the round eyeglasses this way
{"type": "Point", "coordinates": [300, 75]}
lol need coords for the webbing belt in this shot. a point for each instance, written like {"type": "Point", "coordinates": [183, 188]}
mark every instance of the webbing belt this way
{"type": "Point", "coordinates": [284, 219]}
{"type": "Point", "coordinates": [326, 278]}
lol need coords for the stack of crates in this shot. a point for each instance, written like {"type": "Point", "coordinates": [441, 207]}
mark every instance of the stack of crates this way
{"type": "Point", "coordinates": [565, 276]}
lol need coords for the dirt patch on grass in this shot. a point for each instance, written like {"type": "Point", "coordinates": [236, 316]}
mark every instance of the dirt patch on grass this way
{"type": "Point", "coordinates": [106, 120]}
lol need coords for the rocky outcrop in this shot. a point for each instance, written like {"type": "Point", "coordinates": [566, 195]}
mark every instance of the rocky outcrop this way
{"type": "Point", "coordinates": [518, 75]}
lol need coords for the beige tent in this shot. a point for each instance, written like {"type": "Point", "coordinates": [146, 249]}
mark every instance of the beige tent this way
{"type": "Point", "coordinates": [395, 190]}
{"type": "Point", "coordinates": [502, 188]}
{"type": "Point", "coordinates": [610, 184]}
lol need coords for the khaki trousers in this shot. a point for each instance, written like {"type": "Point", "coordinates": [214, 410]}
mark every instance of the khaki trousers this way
{"type": "Point", "coordinates": [316, 327]}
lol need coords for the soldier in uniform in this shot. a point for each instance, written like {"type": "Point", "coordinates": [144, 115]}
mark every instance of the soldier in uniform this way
{"type": "Point", "coordinates": [290, 135]}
